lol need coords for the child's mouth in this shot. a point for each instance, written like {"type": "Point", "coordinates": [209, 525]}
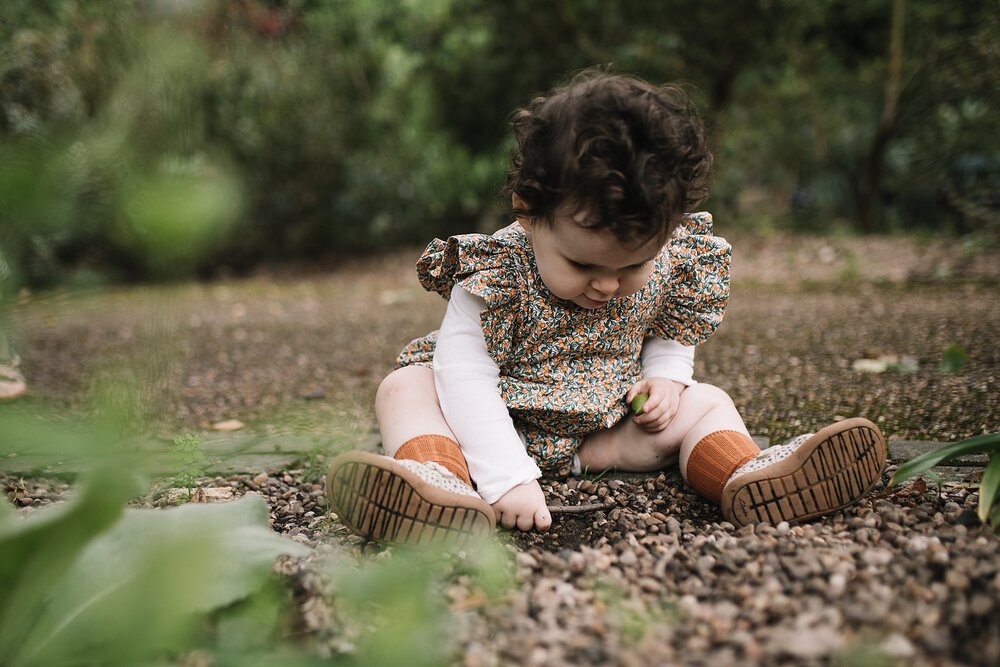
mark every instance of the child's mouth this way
{"type": "Point", "coordinates": [594, 303]}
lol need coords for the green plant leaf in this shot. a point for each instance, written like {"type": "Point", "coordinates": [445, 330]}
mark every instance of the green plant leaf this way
{"type": "Point", "coordinates": [989, 442]}
{"type": "Point", "coordinates": [7, 515]}
{"type": "Point", "coordinates": [38, 551]}
{"type": "Point", "coordinates": [250, 625]}
{"type": "Point", "coordinates": [82, 445]}
{"type": "Point", "coordinates": [989, 488]}
{"type": "Point", "coordinates": [953, 359]}
{"type": "Point", "coordinates": [139, 588]}
{"type": "Point", "coordinates": [172, 219]}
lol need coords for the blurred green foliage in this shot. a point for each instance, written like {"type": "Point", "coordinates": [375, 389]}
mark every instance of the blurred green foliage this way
{"type": "Point", "coordinates": [91, 582]}
{"type": "Point", "coordinates": [155, 139]}
{"type": "Point", "coordinates": [396, 610]}
{"type": "Point", "coordinates": [190, 461]}
{"type": "Point", "coordinates": [953, 359]}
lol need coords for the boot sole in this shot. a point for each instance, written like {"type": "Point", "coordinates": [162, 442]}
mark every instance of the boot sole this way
{"type": "Point", "coordinates": [382, 501]}
{"type": "Point", "coordinates": [832, 470]}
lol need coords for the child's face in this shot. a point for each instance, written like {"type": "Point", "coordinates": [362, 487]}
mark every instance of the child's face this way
{"type": "Point", "coordinates": [585, 266]}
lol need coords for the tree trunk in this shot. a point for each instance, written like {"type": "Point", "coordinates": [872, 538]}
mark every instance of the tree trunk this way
{"type": "Point", "coordinates": [870, 209]}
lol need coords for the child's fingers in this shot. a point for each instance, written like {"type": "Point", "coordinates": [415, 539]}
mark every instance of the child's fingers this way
{"type": "Point", "coordinates": [662, 421]}
{"type": "Point", "coordinates": [658, 425]}
{"type": "Point", "coordinates": [653, 397]}
{"type": "Point", "coordinates": [639, 387]}
{"type": "Point", "coordinates": [507, 519]}
{"type": "Point", "coordinates": [658, 419]}
{"type": "Point", "coordinates": [525, 522]}
{"type": "Point", "coordinates": [543, 519]}
{"type": "Point", "coordinates": [650, 409]}
{"type": "Point", "coordinates": [648, 415]}
{"type": "Point", "coordinates": [670, 409]}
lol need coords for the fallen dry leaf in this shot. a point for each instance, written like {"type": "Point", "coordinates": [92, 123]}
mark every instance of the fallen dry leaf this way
{"type": "Point", "coordinates": [228, 425]}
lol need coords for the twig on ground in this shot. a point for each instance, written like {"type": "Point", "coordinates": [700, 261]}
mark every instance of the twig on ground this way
{"type": "Point", "coordinates": [578, 509]}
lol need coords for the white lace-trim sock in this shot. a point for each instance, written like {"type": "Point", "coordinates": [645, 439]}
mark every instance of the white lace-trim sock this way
{"type": "Point", "coordinates": [772, 455]}
{"type": "Point", "coordinates": [437, 475]}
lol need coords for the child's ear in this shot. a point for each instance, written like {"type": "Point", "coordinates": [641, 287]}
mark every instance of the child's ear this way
{"type": "Point", "coordinates": [518, 203]}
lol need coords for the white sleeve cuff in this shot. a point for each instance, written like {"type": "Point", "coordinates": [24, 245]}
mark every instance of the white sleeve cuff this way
{"type": "Point", "coordinates": [668, 359]}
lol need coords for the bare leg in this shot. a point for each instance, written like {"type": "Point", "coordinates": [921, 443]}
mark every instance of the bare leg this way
{"type": "Point", "coordinates": [825, 472]}
{"type": "Point", "coordinates": [703, 409]}
{"type": "Point", "coordinates": [406, 406]}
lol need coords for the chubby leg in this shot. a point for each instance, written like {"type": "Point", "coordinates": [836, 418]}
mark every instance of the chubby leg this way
{"type": "Point", "coordinates": [406, 407]}
{"type": "Point", "coordinates": [808, 477]}
{"type": "Point", "coordinates": [703, 409]}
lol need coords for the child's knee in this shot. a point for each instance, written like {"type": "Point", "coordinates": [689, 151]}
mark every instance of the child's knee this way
{"type": "Point", "coordinates": [705, 397]}
{"type": "Point", "coordinates": [402, 382]}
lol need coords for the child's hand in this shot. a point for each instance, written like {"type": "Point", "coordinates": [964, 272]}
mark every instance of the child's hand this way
{"type": "Point", "coordinates": [660, 407]}
{"type": "Point", "coordinates": [523, 507]}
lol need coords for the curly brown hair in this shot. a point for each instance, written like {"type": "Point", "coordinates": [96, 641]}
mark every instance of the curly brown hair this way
{"type": "Point", "coordinates": [633, 155]}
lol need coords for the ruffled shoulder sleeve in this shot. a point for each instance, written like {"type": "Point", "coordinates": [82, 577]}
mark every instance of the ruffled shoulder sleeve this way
{"type": "Point", "coordinates": [487, 266]}
{"type": "Point", "coordinates": [697, 283]}
{"type": "Point", "coordinates": [490, 267]}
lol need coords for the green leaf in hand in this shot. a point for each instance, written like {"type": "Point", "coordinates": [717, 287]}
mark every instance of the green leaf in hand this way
{"type": "Point", "coordinates": [638, 402]}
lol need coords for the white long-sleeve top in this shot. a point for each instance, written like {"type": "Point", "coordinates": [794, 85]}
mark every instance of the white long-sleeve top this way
{"type": "Point", "coordinates": [467, 382]}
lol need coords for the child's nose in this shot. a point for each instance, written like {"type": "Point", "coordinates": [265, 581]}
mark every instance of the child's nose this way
{"type": "Point", "coordinates": [605, 284]}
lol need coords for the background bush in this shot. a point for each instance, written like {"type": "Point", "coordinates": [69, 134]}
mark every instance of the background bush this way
{"type": "Point", "coordinates": [293, 128]}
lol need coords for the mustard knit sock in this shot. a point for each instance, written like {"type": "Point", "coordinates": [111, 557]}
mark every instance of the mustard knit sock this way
{"type": "Point", "coordinates": [714, 458]}
{"type": "Point", "coordinates": [438, 449]}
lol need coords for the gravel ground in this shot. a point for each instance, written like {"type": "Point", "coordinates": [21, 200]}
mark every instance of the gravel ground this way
{"type": "Point", "coordinates": [653, 575]}
{"type": "Point", "coordinates": [656, 577]}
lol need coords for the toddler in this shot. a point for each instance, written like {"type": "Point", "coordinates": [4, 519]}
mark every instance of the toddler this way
{"type": "Point", "coordinates": [597, 293]}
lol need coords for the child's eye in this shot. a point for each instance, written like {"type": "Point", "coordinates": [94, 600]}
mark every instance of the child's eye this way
{"type": "Point", "coordinates": [582, 267]}
{"type": "Point", "coordinates": [637, 267]}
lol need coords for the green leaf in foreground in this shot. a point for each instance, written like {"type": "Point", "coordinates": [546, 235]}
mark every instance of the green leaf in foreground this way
{"type": "Point", "coordinates": [989, 442]}
{"type": "Point", "coordinates": [173, 217]}
{"type": "Point", "coordinates": [139, 588]}
{"type": "Point", "coordinates": [395, 609]}
{"type": "Point", "coordinates": [953, 359]}
{"type": "Point", "coordinates": [37, 552]}
{"type": "Point", "coordinates": [989, 489]}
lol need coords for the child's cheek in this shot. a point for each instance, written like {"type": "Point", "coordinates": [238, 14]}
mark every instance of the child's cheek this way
{"type": "Point", "coordinates": [560, 286]}
{"type": "Point", "coordinates": [633, 285]}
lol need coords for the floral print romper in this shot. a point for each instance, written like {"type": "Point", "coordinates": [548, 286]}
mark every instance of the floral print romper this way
{"type": "Point", "coordinates": [565, 370]}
